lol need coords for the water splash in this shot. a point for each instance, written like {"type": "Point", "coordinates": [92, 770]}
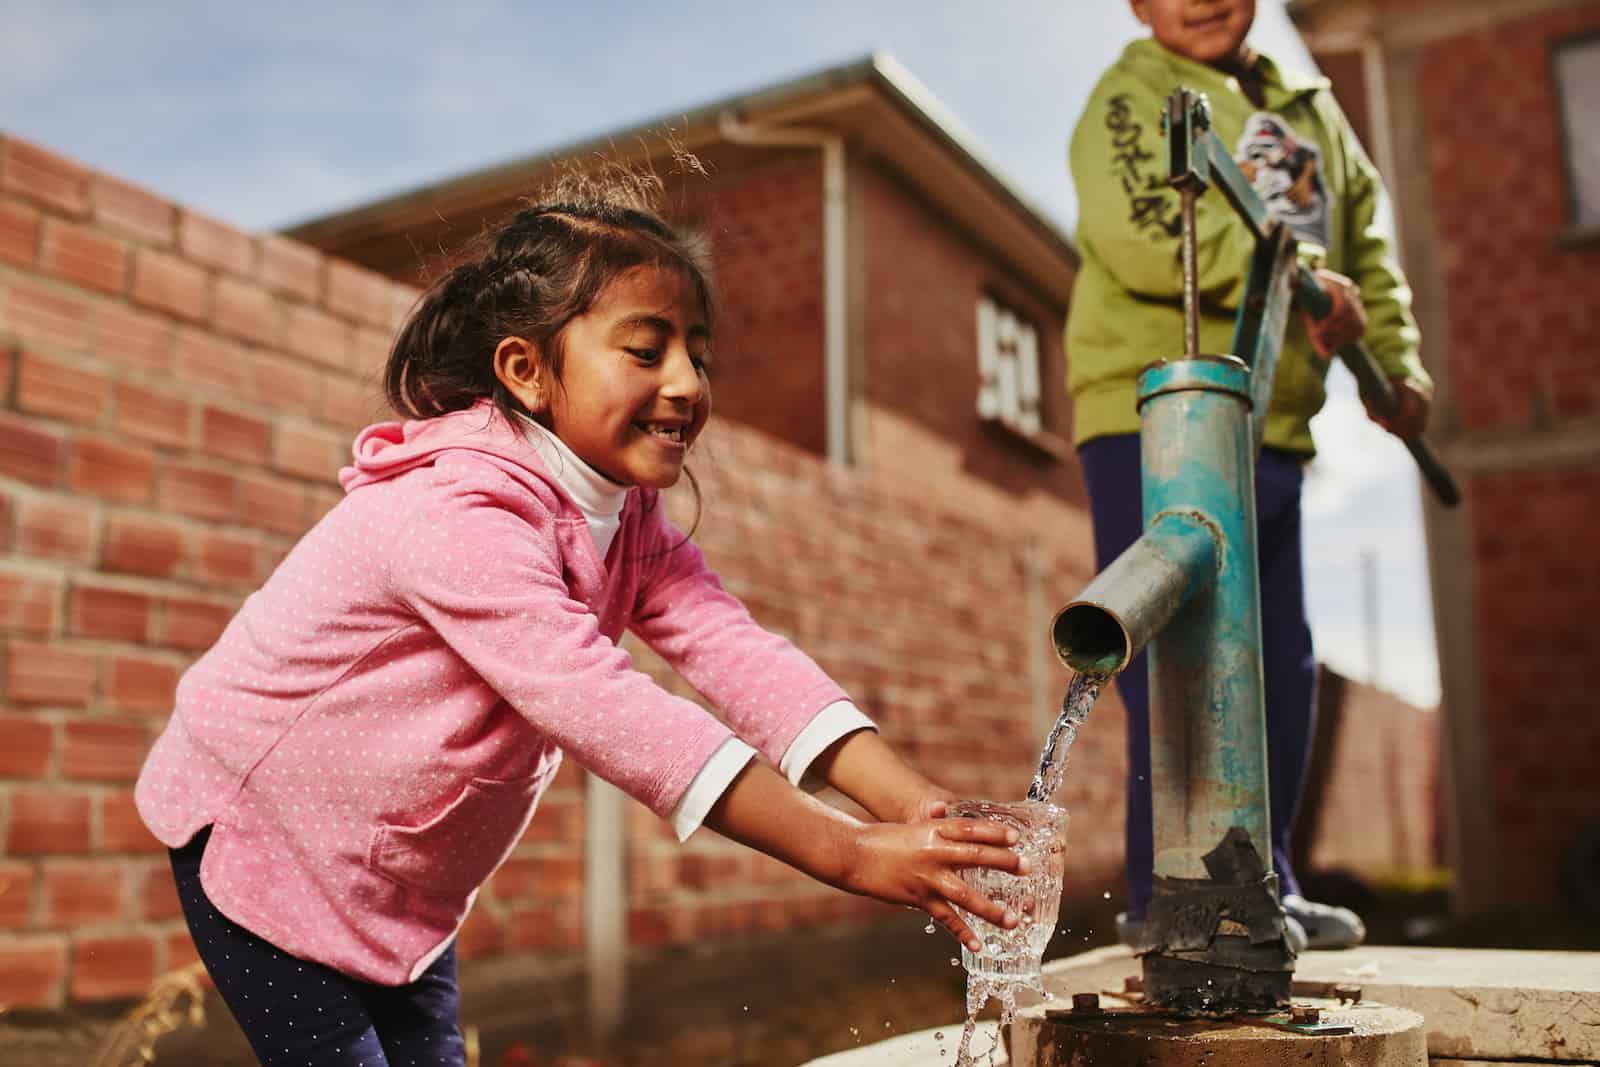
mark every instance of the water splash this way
{"type": "Point", "coordinates": [1081, 695]}
{"type": "Point", "coordinates": [1009, 959]}
{"type": "Point", "coordinates": [979, 989]}
{"type": "Point", "coordinates": [982, 984]}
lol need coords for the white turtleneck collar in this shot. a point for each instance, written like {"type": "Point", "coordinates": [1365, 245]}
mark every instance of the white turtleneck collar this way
{"type": "Point", "coordinates": [598, 497]}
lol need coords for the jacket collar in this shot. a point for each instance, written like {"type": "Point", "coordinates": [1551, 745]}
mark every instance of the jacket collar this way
{"type": "Point", "coordinates": [1282, 85]}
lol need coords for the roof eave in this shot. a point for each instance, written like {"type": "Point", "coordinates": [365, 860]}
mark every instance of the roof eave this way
{"type": "Point", "coordinates": [807, 99]}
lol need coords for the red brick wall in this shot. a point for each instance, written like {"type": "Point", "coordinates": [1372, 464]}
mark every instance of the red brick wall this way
{"type": "Point", "coordinates": [1524, 313]}
{"type": "Point", "coordinates": [923, 279]}
{"type": "Point", "coordinates": [175, 397]}
{"type": "Point", "coordinates": [1524, 309]}
{"type": "Point", "coordinates": [1383, 760]}
{"type": "Point", "coordinates": [1537, 583]}
{"type": "Point", "coordinates": [765, 231]}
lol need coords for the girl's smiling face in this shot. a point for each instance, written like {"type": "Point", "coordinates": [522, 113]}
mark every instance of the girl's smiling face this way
{"type": "Point", "coordinates": [633, 393]}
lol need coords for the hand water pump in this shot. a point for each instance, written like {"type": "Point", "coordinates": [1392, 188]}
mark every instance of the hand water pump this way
{"type": "Point", "coordinates": [1189, 587]}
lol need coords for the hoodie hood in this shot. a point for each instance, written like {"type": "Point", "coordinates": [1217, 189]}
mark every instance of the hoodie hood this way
{"type": "Point", "coordinates": [387, 449]}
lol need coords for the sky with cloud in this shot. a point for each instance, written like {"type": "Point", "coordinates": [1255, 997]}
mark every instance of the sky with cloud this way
{"type": "Point", "coordinates": [268, 114]}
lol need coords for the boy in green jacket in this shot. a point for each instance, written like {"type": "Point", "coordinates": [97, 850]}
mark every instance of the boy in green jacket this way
{"type": "Point", "coordinates": [1296, 147]}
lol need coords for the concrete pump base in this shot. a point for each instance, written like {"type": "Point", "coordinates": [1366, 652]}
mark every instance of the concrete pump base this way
{"type": "Point", "coordinates": [1362, 1035]}
{"type": "Point", "coordinates": [1512, 1007]}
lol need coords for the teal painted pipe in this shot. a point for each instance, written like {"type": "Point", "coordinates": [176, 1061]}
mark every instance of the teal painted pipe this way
{"type": "Point", "coordinates": [1188, 593]}
{"type": "Point", "coordinates": [1130, 601]}
{"type": "Point", "coordinates": [1190, 588]}
{"type": "Point", "coordinates": [1207, 714]}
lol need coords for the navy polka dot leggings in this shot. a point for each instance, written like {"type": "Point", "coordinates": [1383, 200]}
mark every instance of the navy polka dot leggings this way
{"type": "Point", "coordinates": [301, 1014]}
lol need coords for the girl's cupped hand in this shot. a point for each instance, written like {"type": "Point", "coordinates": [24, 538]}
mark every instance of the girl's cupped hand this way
{"type": "Point", "coordinates": [917, 864]}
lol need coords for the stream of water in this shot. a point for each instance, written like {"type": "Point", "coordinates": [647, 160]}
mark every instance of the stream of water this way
{"type": "Point", "coordinates": [1081, 695]}
{"type": "Point", "coordinates": [1010, 959]}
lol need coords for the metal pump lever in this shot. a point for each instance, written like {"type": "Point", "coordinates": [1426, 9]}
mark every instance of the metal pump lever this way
{"type": "Point", "coordinates": [1378, 392]}
{"type": "Point", "coordinates": [1195, 160]}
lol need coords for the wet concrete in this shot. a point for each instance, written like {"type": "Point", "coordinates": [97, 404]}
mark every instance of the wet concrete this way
{"type": "Point", "coordinates": [1365, 1035]}
{"type": "Point", "coordinates": [1478, 1004]}
{"type": "Point", "coordinates": [1494, 1004]}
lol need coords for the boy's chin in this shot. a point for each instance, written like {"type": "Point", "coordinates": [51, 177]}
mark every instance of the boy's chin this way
{"type": "Point", "coordinates": [1210, 48]}
{"type": "Point", "coordinates": [1211, 54]}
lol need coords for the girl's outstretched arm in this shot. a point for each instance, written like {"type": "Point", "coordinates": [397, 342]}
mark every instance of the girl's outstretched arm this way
{"type": "Point", "coordinates": [864, 768]}
{"type": "Point", "coordinates": [912, 863]}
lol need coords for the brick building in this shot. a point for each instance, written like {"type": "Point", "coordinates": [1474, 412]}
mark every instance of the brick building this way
{"type": "Point", "coordinates": [1481, 116]}
{"type": "Point", "coordinates": [886, 484]}
{"type": "Point", "coordinates": [847, 215]}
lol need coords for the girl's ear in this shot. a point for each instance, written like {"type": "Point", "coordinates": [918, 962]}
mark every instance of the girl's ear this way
{"type": "Point", "coordinates": [522, 372]}
{"type": "Point", "coordinates": [1140, 11]}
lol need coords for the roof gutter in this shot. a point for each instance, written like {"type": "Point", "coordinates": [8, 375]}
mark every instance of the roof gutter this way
{"type": "Point", "coordinates": [835, 355]}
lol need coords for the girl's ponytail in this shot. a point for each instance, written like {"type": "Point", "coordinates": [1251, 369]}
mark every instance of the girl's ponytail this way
{"type": "Point", "coordinates": [542, 268]}
{"type": "Point", "coordinates": [427, 373]}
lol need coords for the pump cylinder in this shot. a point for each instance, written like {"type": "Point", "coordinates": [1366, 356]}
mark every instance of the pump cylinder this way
{"type": "Point", "coordinates": [1215, 922]}
{"type": "Point", "coordinates": [1208, 732]}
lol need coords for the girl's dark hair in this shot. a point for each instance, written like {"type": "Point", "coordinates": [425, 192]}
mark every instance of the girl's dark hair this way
{"type": "Point", "coordinates": [530, 277]}
{"type": "Point", "coordinates": [542, 268]}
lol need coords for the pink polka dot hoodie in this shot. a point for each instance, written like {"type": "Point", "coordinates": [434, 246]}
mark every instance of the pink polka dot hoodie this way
{"type": "Point", "coordinates": [371, 734]}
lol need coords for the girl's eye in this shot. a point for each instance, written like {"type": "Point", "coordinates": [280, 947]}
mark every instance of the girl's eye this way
{"type": "Point", "coordinates": [650, 356]}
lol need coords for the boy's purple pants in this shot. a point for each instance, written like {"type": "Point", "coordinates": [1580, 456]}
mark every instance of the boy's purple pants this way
{"type": "Point", "coordinates": [1111, 472]}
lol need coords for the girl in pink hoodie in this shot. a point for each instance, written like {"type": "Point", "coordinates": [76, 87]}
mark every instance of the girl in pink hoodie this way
{"type": "Point", "coordinates": [371, 734]}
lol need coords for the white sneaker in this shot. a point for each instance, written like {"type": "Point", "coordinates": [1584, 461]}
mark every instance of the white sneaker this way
{"type": "Point", "coordinates": [1294, 933]}
{"type": "Point", "coordinates": [1325, 926]}
{"type": "Point", "coordinates": [1131, 932]}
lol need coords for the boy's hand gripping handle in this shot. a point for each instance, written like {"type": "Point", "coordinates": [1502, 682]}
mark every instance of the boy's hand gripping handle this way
{"type": "Point", "coordinates": [1377, 391]}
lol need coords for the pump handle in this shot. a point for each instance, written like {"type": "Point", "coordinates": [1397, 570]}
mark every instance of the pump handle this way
{"type": "Point", "coordinates": [1377, 391]}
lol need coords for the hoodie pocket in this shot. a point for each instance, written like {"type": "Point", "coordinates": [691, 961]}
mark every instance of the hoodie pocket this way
{"type": "Point", "coordinates": [456, 851]}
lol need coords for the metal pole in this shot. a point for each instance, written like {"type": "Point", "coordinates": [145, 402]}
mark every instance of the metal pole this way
{"type": "Point", "coordinates": [1369, 595]}
{"type": "Point", "coordinates": [1191, 276]}
{"type": "Point", "coordinates": [605, 906]}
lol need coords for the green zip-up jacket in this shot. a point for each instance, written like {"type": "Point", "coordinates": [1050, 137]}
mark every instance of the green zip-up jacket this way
{"type": "Point", "coordinates": [1305, 161]}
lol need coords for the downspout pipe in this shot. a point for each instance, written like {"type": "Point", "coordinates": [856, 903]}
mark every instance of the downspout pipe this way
{"type": "Point", "coordinates": [605, 907]}
{"type": "Point", "coordinates": [835, 353]}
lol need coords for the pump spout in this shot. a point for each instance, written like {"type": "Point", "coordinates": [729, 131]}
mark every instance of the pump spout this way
{"type": "Point", "coordinates": [1134, 598]}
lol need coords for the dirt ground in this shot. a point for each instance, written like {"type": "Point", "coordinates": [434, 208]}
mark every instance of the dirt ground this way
{"type": "Point", "coordinates": [852, 1013]}
{"type": "Point", "coordinates": [846, 1016]}
{"type": "Point", "coordinates": [785, 1008]}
